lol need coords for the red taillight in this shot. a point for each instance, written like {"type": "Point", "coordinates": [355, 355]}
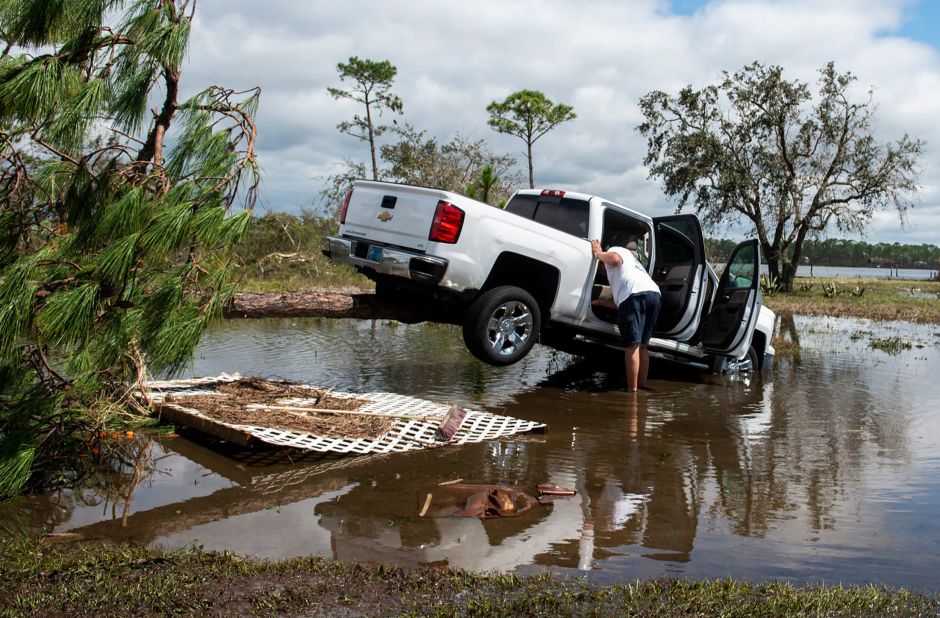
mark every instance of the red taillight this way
{"type": "Point", "coordinates": [448, 219]}
{"type": "Point", "coordinates": [552, 193]}
{"type": "Point", "coordinates": [344, 207]}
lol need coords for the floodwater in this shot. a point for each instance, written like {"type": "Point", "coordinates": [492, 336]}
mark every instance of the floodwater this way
{"type": "Point", "coordinates": [824, 469]}
{"type": "Point", "coordinates": [866, 272]}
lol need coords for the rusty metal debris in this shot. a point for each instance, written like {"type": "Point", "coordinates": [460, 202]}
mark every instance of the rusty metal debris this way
{"type": "Point", "coordinates": [484, 500]}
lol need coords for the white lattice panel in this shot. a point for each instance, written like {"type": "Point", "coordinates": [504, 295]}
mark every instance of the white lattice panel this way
{"type": "Point", "coordinates": [415, 421]}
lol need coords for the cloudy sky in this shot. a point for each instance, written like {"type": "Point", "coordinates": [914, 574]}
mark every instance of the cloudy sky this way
{"type": "Point", "coordinates": [600, 56]}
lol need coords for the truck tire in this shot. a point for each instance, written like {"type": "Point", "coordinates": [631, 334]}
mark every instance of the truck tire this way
{"type": "Point", "coordinates": [502, 325]}
{"type": "Point", "coordinates": [754, 358]}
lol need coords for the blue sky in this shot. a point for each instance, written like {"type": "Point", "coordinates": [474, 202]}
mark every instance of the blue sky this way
{"type": "Point", "coordinates": [920, 18]}
{"type": "Point", "coordinates": [922, 22]}
{"type": "Point", "coordinates": [687, 7]}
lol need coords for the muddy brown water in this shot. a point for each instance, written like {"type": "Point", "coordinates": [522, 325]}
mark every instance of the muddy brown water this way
{"type": "Point", "coordinates": [824, 469]}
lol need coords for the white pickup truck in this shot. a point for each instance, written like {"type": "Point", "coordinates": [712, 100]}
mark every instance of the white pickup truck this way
{"type": "Point", "coordinates": [515, 276]}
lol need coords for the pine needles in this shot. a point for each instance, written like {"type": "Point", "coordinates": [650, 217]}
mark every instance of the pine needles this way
{"type": "Point", "coordinates": [118, 226]}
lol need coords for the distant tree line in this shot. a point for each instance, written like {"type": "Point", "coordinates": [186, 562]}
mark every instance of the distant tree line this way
{"type": "Point", "coordinates": [847, 252]}
{"type": "Point", "coordinates": [281, 233]}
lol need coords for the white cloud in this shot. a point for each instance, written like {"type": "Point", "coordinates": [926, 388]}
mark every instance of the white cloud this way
{"type": "Point", "coordinates": [601, 56]}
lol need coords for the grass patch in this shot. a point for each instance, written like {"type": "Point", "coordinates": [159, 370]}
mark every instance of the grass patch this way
{"type": "Point", "coordinates": [302, 273]}
{"type": "Point", "coordinates": [880, 299]}
{"type": "Point", "coordinates": [891, 345]}
{"type": "Point", "coordinates": [87, 580]}
{"type": "Point", "coordinates": [283, 254]}
{"type": "Point", "coordinates": [784, 347]}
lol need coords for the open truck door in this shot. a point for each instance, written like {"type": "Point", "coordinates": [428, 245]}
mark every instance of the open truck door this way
{"type": "Point", "coordinates": [730, 324]}
{"type": "Point", "coordinates": [680, 270]}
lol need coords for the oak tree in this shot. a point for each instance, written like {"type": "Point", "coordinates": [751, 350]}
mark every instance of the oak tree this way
{"type": "Point", "coordinates": [767, 150]}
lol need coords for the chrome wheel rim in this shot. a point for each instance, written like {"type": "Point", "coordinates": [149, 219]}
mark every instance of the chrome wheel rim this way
{"type": "Point", "coordinates": [509, 328]}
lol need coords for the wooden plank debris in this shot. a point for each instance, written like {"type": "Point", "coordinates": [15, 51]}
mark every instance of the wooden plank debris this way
{"type": "Point", "coordinates": [451, 423]}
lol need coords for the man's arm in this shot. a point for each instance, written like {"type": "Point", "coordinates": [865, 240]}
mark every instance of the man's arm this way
{"type": "Point", "coordinates": [610, 258]}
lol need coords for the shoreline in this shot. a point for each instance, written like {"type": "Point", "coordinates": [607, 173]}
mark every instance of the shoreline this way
{"type": "Point", "coordinates": [875, 299]}
{"type": "Point", "coordinates": [102, 579]}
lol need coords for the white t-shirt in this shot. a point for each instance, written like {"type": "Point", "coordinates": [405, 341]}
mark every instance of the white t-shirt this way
{"type": "Point", "coordinates": [628, 278]}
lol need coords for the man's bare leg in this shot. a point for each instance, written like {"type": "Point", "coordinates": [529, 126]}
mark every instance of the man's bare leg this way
{"type": "Point", "coordinates": [644, 365]}
{"type": "Point", "coordinates": [632, 362]}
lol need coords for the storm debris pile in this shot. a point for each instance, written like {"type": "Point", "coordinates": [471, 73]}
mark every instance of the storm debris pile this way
{"type": "Point", "coordinates": [285, 405]}
{"type": "Point", "coordinates": [252, 411]}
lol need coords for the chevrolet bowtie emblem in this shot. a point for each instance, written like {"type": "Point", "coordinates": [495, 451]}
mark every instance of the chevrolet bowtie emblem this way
{"type": "Point", "coordinates": [384, 216]}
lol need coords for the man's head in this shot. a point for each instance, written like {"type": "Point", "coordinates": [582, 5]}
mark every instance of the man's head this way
{"type": "Point", "coordinates": [619, 239]}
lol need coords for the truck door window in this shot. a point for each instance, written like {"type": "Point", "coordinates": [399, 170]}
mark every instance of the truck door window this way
{"type": "Point", "coordinates": [676, 244]}
{"type": "Point", "coordinates": [740, 271]}
{"type": "Point", "coordinates": [621, 230]}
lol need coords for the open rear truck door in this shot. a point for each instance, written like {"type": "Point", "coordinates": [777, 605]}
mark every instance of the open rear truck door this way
{"type": "Point", "coordinates": [680, 270]}
{"type": "Point", "coordinates": [730, 324]}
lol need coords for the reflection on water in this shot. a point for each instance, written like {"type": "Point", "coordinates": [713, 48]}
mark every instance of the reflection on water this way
{"type": "Point", "coordinates": [823, 469]}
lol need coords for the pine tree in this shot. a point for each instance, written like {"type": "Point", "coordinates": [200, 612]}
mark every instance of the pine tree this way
{"type": "Point", "coordinates": [528, 114]}
{"type": "Point", "coordinates": [117, 224]}
{"type": "Point", "coordinates": [371, 85]}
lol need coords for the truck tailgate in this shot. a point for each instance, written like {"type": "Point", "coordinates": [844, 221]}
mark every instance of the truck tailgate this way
{"type": "Point", "coordinates": [393, 214]}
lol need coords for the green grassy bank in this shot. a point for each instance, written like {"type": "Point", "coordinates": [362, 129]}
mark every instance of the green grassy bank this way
{"type": "Point", "coordinates": [876, 299]}
{"type": "Point", "coordinates": [101, 579]}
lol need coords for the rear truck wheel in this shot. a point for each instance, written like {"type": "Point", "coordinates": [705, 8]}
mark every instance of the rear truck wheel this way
{"type": "Point", "coordinates": [753, 359]}
{"type": "Point", "coordinates": [502, 325]}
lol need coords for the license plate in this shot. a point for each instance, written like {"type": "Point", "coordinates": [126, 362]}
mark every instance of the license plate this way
{"type": "Point", "coordinates": [374, 254]}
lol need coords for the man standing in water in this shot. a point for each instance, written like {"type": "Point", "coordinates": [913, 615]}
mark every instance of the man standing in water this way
{"type": "Point", "coordinates": [637, 297]}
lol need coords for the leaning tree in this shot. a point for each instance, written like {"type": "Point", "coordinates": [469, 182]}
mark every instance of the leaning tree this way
{"type": "Point", "coordinates": [117, 222]}
{"type": "Point", "coordinates": [793, 163]}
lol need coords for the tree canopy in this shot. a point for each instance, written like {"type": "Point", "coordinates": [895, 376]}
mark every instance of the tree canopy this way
{"type": "Point", "coordinates": [371, 85]}
{"type": "Point", "coordinates": [528, 114]}
{"type": "Point", "coordinates": [460, 165]}
{"type": "Point", "coordinates": [117, 224]}
{"type": "Point", "coordinates": [767, 150]}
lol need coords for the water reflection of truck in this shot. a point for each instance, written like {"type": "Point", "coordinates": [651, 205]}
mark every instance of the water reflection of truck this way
{"type": "Point", "coordinates": [525, 273]}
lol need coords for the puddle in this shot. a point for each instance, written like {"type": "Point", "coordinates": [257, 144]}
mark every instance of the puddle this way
{"type": "Point", "coordinates": [826, 468]}
{"type": "Point", "coordinates": [918, 293]}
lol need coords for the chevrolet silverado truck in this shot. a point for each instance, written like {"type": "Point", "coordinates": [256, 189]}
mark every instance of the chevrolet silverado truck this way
{"type": "Point", "coordinates": [524, 274]}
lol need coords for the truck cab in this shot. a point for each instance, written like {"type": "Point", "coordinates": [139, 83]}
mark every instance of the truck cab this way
{"type": "Point", "coordinates": [702, 317]}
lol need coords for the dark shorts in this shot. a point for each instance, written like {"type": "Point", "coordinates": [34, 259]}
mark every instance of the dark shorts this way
{"type": "Point", "coordinates": [636, 317]}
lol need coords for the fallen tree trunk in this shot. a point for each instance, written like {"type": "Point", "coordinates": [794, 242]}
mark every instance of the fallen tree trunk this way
{"type": "Point", "coordinates": [330, 305]}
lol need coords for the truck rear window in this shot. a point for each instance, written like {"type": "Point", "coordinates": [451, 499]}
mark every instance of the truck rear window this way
{"type": "Point", "coordinates": [565, 214]}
